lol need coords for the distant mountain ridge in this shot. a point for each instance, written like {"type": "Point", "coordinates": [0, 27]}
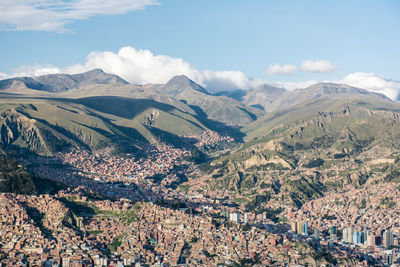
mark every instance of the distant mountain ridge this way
{"type": "Point", "coordinates": [262, 95]}
{"type": "Point", "coordinates": [274, 98]}
{"type": "Point", "coordinates": [63, 82]}
{"type": "Point", "coordinates": [334, 89]}
{"type": "Point", "coordinates": [236, 108]}
{"type": "Point", "coordinates": [271, 98]}
{"type": "Point", "coordinates": [180, 91]}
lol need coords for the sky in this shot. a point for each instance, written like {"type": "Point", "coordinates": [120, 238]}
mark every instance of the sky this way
{"type": "Point", "coordinates": [223, 45]}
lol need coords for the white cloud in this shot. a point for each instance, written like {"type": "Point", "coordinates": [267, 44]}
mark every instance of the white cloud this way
{"type": "Point", "coordinates": [139, 66]}
{"type": "Point", "coordinates": [293, 85]}
{"type": "Point", "coordinates": [318, 66]}
{"type": "Point", "coordinates": [35, 70]}
{"type": "Point", "coordinates": [53, 15]}
{"type": "Point", "coordinates": [321, 66]}
{"type": "Point", "coordinates": [375, 83]}
{"type": "Point", "coordinates": [3, 76]}
{"type": "Point", "coordinates": [228, 80]}
{"type": "Point", "coordinates": [277, 69]}
{"type": "Point", "coordinates": [32, 70]}
{"type": "Point", "coordinates": [142, 66]}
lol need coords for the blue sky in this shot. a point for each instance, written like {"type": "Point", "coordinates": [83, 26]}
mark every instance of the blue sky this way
{"type": "Point", "coordinates": [247, 36]}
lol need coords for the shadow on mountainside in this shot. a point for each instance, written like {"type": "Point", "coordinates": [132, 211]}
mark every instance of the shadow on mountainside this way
{"type": "Point", "coordinates": [122, 107]}
{"type": "Point", "coordinates": [170, 138]}
{"type": "Point", "coordinates": [219, 127]}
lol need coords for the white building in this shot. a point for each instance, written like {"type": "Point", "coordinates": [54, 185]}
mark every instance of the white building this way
{"type": "Point", "coordinates": [246, 218]}
{"type": "Point", "coordinates": [234, 217]}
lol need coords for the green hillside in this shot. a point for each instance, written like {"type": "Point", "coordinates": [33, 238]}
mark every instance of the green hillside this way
{"type": "Point", "coordinates": [46, 125]}
{"type": "Point", "coordinates": [222, 109]}
{"type": "Point", "coordinates": [14, 178]}
{"type": "Point", "coordinates": [221, 112]}
{"type": "Point", "coordinates": [290, 117]}
{"type": "Point", "coordinates": [297, 154]}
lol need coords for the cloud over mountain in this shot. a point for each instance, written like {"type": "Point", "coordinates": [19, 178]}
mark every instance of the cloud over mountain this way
{"type": "Point", "coordinates": [228, 80]}
{"type": "Point", "coordinates": [51, 15]}
{"type": "Point", "coordinates": [140, 66]}
{"type": "Point", "coordinates": [375, 83]}
{"type": "Point", "coordinates": [369, 81]}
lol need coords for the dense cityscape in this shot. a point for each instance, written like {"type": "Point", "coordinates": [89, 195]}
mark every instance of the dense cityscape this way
{"type": "Point", "coordinates": [156, 133]}
{"type": "Point", "coordinates": [146, 222]}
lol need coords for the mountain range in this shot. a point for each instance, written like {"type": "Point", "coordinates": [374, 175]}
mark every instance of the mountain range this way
{"type": "Point", "coordinates": [292, 145]}
{"type": "Point", "coordinates": [233, 108]}
{"type": "Point", "coordinates": [62, 82]}
{"type": "Point", "coordinates": [94, 108]}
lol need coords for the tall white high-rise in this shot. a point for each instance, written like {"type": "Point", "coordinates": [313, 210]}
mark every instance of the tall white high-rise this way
{"type": "Point", "coordinates": [387, 239]}
{"type": "Point", "coordinates": [348, 234]}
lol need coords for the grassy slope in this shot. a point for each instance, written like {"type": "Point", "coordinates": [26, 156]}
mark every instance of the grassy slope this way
{"type": "Point", "coordinates": [307, 111]}
{"type": "Point", "coordinates": [92, 122]}
{"type": "Point", "coordinates": [343, 136]}
{"type": "Point", "coordinates": [13, 178]}
{"type": "Point", "coordinates": [220, 108]}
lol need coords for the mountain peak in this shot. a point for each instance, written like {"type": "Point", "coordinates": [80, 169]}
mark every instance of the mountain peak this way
{"type": "Point", "coordinates": [180, 83]}
{"type": "Point", "coordinates": [182, 80]}
{"type": "Point", "coordinates": [181, 77]}
{"type": "Point", "coordinates": [94, 71]}
{"type": "Point", "coordinates": [97, 76]}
